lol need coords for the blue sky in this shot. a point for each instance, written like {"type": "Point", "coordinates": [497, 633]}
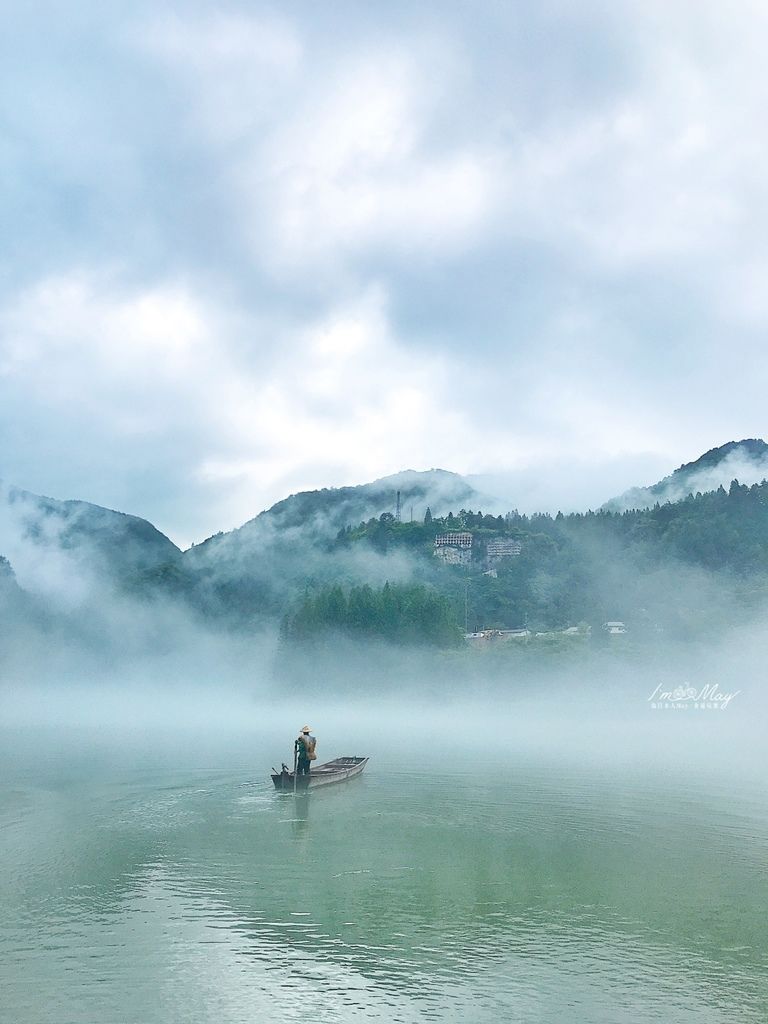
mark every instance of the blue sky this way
{"type": "Point", "coordinates": [256, 248]}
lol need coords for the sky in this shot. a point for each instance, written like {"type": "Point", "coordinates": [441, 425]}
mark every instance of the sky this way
{"type": "Point", "coordinates": [250, 249]}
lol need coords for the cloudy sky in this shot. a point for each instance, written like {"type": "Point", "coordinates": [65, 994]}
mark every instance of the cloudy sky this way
{"type": "Point", "coordinates": [254, 248]}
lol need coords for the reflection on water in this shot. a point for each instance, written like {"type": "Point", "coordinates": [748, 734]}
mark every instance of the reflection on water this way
{"type": "Point", "coordinates": [551, 890]}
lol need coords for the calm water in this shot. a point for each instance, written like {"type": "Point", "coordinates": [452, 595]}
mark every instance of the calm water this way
{"type": "Point", "coordinates": [161, 880]}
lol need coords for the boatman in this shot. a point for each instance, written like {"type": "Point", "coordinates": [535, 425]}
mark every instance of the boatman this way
{"type": "Point", "coordinates": [305, 749]}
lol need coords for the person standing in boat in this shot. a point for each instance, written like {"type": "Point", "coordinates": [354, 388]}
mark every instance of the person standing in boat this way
{"type": "Point", "coordinates": [305, 750]}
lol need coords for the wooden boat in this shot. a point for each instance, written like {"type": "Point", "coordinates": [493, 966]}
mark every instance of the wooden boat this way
{"type": "Point", "coordinates": [339, 770]}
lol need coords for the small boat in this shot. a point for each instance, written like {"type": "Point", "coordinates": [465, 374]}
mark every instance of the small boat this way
{"type": "Point", "coordinates": [340, 770]}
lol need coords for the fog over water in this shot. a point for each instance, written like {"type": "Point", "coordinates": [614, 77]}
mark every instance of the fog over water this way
{"type": "Point", "coordinates": [182, 676]}
{"type": "Point", "coordinates": [560, 854]}
{"type": "Point", "coordinates": [542, 833]}
{"type": "Point", "coordinates": [256, 254]}
{"type": "Point", "coordinates": [602, 708]}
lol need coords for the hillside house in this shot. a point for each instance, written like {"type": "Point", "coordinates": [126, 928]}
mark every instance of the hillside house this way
{"type": "Point", "coordinates": [454, 547]}
{"type": "Point", "coordinates": [503, 547]}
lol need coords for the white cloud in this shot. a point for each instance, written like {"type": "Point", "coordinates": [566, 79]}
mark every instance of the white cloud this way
{"type": "Point", "coordinates": [328, 403]}
{"type": "Point", "coordinates": [331, 155]}
{"type": "Point", "coordinates": [744, 294]}
{"type": "Point", "coordinates": [234, 65]}
{"type": "Point", "coordinates": [338, 400]}
{"type": "Point", "coordinates": [422, 240]}
{"type": "Point", "coordinates": [344, 396]}
{"type": "Point", "coordinates": [327, 157]}
{"type": "Point", "coordinates": [650, 175]}
{"type": "Point", "coordinates": [75, 339]}
{"type": "Point", "coordinates": [351, 169]}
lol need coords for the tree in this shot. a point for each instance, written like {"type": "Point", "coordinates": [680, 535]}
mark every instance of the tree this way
{"type": "Point", "coordinates": [400, 613]}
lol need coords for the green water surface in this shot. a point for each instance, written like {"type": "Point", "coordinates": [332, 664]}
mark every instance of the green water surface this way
{"type": "Point", "coordinates": [165, 881]}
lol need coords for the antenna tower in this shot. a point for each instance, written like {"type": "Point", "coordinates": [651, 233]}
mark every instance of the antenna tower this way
{"type": "Point", "coordinates": [397, 509]}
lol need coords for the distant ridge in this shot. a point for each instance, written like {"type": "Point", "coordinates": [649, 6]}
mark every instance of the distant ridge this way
{"type": "Point", "coordinates": [52, 544]}
{"type": "Point", "coordinates": [745, 461]}
{"type": "Point", "coordinates": [293, 540]}
{"type": "Point", "coordinates": [105, 580]}
{"type": "Point", "coordinates": [69, 549]}
{"type": "Point", "coordinates": [438, 487]}
{"type": "Point", "coordinates": [323, 512]}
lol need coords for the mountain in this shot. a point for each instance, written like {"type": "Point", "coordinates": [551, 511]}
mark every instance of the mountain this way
{"type": "Point", "coordinates": [68, 551]}
{"type": "Point", "coordinates": [319, 515]}
{"type": "Point", "coordinates": [256, 564]}
{"type": "Point", "coordinates": [324, 512]}
{"type": "Point", "coordinates": [9, 588]}
{"type": "Point", "coordinates": [101, 580]}
{"type": "Point", "coordinates": [64, 548]}
{"type": "Point", "coordinates": [745, 461]}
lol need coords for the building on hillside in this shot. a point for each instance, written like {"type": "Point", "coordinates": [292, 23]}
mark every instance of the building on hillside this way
{"type": "Point", "coordinates": [484, 636]}
{"type": "Point", "coordinates": [454, 539]}
{"type": "Point", "coordinates": [503, 547]}
{"type": "Point", "coordinates": [454, 547]}
{"type": "Point", "coordinates": [614, 628]}
{"type": "Point", "coordinates": [496, 635]}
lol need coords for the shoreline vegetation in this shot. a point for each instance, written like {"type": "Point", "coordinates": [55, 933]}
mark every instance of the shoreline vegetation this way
{"type": "Point", "coordinates": [678, 570]}
{"type": "Point", "coordinates": [463, 585]}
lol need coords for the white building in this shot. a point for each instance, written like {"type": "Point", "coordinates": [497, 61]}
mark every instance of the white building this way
{"type": "Point", "coordinates": [503, 547]}
{"type": "Point", "coordinates": [454, 539]}
{"type": "Point", "coordinates": [454, 547]}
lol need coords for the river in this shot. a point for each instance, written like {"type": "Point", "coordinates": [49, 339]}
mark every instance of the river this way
{"type": "Point", "coordinates": [155, 877]}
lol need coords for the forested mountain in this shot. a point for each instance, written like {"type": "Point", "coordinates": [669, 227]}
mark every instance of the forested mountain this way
{"type": "Point", "coordinates": [677, 568]}
{"type": "Point", "coordinates": [71, 552]}
{"type": "Point", "coordinates": [405, 614]}
{"type": "Point", "coordinates": [340, 560]}
{"type": "Point", "coordinates": [319, 514]}
{"type": "Point", "coordinates": [68, 547]}
{"type": "Point", "coordinates": [745, 461]}
{"type": "Point", "coordinates": [258, 567]}
{"type": "Point", "coordinates": [9, 588]}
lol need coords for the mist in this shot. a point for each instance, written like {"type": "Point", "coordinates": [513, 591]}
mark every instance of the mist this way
{"type": "Point", "coordinates": [123, 657]}
{"type": "Point", "coordinates": [84, 611]}
{"type": "Point", "coordinates": [259, 259]}
{"type": "Point", "coordinates": [546, 787]}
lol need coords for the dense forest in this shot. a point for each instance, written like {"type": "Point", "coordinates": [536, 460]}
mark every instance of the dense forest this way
{"type": "Point", "coordinates": [717, 530]}
{"type": "Point", "coordinates": [675, 569]}
{"type": "Point", "coordinates": [403, 614]}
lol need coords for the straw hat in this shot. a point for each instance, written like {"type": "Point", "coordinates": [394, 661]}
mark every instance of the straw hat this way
{"type": "Point", "coordinates": [305, 728]}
